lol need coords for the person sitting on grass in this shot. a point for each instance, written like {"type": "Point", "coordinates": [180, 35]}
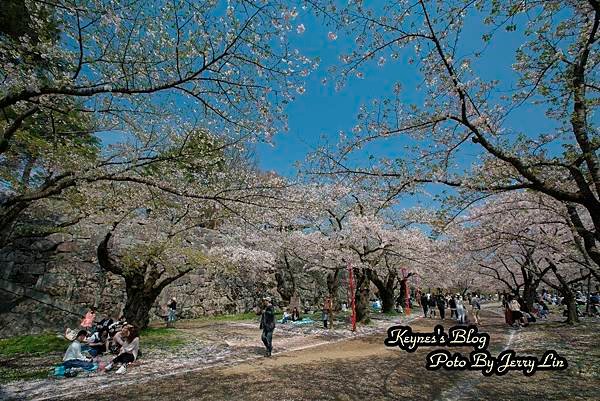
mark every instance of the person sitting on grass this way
{"type": "Point", "coordinates": [119, 339]}
{"type": "Point", "coordinates": [98, 342]}
{"type": "Point", "coordinates": [88, 320]}
{"type": "Point", "coordinates": [129, 351]}
{"type": "Point", "coordinates": [295, 315]}
{"type": "Point", "coordinates": [73, 357]}
{"type": "Point", "coordinates": [286, 317]}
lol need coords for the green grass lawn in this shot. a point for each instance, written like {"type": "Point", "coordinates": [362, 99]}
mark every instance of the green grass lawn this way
{"type": "Point", "coordinates": [161, 337]}
{"type": "Point", "coordinates": [235, 317]}
{"type": "Point", "coordinates": [40, 344]}
{"type": "Point", "coordinates": [29, 357]}
{"type": "Point", "coordinates": [10, 374]}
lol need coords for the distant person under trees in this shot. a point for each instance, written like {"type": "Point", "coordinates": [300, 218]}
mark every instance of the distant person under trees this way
{"type": "Point", "coordinates": [295, 315]}
{"type": "Point", "coordinates": [171, 312]}
{"type": "Point", "coordinates": [267, 324]}
{"type": "Point", "coordinates": [441, 305]}
{"type": "Point", "coordinates": [475, 308]}
{"type": "Point", "coordinates": [326, 313]}
{"type": "Point", "coordinates": [424, 304]}
{"type": "Point", "coordinates": [452, 304]}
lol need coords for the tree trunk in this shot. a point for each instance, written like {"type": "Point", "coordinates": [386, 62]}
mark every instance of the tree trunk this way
{"type": "Point", "coordinates": [362, 304]}
{"type": "Point", "coordinates": [529, 292]}
{"type": "Point", "coordinates": [567, 293]}
{"type": "Point", "coordinates": [387, 301]}
{"type": "Point", "coordinates": [403, 292]}
{"type": "Point", "coordinates": [142, 284]}
{"type": "Point", "coordinates": [285, 291]}
{"type": "Point", "coordinates": [385, 289]}
{"type": "Point", "coordinates": [333, 284]}
{"type": "Point", "coordinates": [285, 288]}
{"type": "Point", "coordinates": [569, 300]}
{"type": "Point", "coordinates": [138, 305]}
{"type": "Point", "coordinates": [361, 296]}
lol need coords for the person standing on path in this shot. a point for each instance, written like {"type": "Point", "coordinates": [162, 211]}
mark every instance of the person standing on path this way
{"type": "Point", "coordinates": [452, 304]}
{"type": "Point", "coordinates": [441, 304]}
{"type": "Point", "coordinates": [171, 312]}
{"type": "Point", "coordinates": [327, 313]}
{"type": "Point", "coordinates": [424, 304]}
{"type": "Point", "coordinates": [267, 324]}
{"type": "Point", "coordinates": [476, 308]}
{"type": "Point", "coordinates": [460, 310]}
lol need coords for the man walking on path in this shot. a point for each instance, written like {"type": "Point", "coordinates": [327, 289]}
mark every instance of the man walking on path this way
{"type": "Point", "coordinates": [267, 324]}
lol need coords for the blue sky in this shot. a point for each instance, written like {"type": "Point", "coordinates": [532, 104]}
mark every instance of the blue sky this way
{"type": "Point", "coordinates": [322, 110]}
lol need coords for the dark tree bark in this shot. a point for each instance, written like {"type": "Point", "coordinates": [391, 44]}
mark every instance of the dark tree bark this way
{"type": "Point", "coordinates": [142, 285]}
{"type": "Point", "coordinates": [386, 287]}
{"type": "Point", "coordinates": [283, 288]}
{"type": "Point", "coordinates": [571, 303]}
{"type": "Point", "coordinates": [361, 295]}
{"type": "Point", "coordinates": [564, 287]}
{"type": "Point", "coordinates": [333, 283]}
{"type": "Point", "coordinates": [529, 292]}
{"type": "Point", "coordinates": [286, 288]}
{"type": "Point", "coordinates": [404, 290]}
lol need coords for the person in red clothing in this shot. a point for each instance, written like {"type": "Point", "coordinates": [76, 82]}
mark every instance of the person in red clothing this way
{"type": "Point", "coordinates": [88, 320]}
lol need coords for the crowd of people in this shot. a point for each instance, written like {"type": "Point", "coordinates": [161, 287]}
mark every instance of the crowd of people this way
{"type": "Point", "coordinates": [121, 340]}
{"type": "Point", "coordinates": [462, 309]}
{"type": "Point", "coordinates": [95, 341]}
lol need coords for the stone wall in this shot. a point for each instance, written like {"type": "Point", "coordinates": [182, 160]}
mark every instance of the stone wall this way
{"type": "Point", "coordinates": [48, 284]}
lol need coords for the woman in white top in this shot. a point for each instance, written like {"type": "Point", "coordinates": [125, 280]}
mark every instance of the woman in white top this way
{"type": "Point", "coordinates": [460, 310]}
{"type": "Point", "coordinates": [129, 350]}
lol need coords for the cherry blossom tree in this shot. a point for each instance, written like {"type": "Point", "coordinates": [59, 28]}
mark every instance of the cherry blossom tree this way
{"type": "Point", "coordinates": [523, 239]}
{"type": "Point", "coordinates": [462, 116]}
{"type": "Point", "coordinates": [79, 76]}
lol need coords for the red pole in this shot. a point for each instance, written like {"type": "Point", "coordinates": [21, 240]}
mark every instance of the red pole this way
{"type": "Point", "coordinates": [407, 293]}
{"type": "Point", "coordinates": [352, 295]}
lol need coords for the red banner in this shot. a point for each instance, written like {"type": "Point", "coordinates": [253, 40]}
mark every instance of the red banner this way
{"type": "Point", "coordinates": [407, 292]}
{"type": "Point", "coordinates": [352, 296]}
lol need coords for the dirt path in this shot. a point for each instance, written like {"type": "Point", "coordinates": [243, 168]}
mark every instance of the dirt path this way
{"type": "Point", "coordinates": [313, 364]}
{"type": "Point", "coordinates": [213, 345]}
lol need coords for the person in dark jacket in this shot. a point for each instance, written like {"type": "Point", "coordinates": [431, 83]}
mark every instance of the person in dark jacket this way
{"type": "Point", "coordinates": [432, 305]}
{"type": "Point", "coordinates": [295, 315]}
{"type": "Point", "coordinates": [267, 324]}
{"type": "Point", "coordinates": [441, 304]}
{"type": "Point", "coordinates": [424, 304]}
{"type": "Point", "coordinates": [452, 304]}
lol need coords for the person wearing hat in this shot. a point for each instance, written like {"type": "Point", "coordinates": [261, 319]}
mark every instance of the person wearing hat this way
{"type": "Point", "coordinates": [267, 324]}
{"type": "Point", "coordinates": [172, 312]}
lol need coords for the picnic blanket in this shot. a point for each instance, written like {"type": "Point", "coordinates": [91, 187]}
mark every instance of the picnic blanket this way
{"type": "Point", "coordinates": [62, 371]}
{"type": "Point", "coordinates": [304, 321]}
